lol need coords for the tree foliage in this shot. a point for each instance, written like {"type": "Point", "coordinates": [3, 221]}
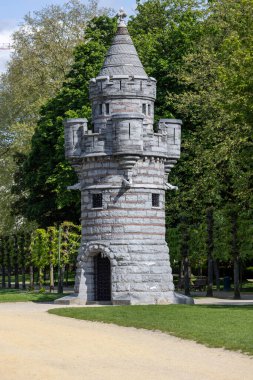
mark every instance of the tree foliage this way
{"type": "Point", "coordinates": [200, 52]}
{"type": "Point", "coordinates": [42, 249]}
{"type": "Point", "coordinates": [42, 56]}
{"type": "Point", "coordinates": [164, 32]}
{"type": "Point", "coordinates": [217, 100]}
{"type": "Point", "coordinates": [45, 174]}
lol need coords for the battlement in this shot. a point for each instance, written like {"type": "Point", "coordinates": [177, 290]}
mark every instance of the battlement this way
{"type": "Point", "coordinates": [131, 86]}
{"type": "Point", "coordinates": [125, 134]}
{"type": "Point", "coordinates": [74, 129]}
{"type": "Point", "coordinates": [172, 129]}
{"type": "Point", "coordinates": [92, 144]}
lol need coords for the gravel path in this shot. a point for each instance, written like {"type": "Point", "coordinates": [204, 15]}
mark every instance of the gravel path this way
{"type": "Point", "coordinates": [37, 345]}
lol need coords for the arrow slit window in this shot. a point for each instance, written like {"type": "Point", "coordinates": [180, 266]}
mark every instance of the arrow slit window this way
{"type": "Point", "coordinates": [155, 200]}
{"type": "Point", "coordinates": [97, 200]}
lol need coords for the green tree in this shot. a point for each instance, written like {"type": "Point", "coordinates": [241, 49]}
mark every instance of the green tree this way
{"type": "Point", "coordinates": [45, 174]}
{"type": "Point", "coordinates": [3, 261]}
{"type": "Point", "coordinates": [42, 56]}
{"type": "Point", "coordinates": [40, 252]}
{"type": "Point", "coordinates": [164, 32]}
{"type": "Point", "coordinates": [53, 253]}
{"type": "Point", "coordinates": [218, 101]}
{"type": "Point", "coordinates": [69, 240]}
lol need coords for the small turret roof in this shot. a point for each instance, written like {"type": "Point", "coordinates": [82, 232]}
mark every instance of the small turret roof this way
{"type": "Point", "coordinates": [122, 57]}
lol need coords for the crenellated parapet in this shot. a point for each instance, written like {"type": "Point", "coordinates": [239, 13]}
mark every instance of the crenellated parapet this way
{"type": "Point", "coordinates": [124, 134]}
{"type": "Point", "coordinates": [172, 127]}
{"type": "Point", "coordinates": [74, 130]}
{"type": "Point", "coordinates": [105, 87]}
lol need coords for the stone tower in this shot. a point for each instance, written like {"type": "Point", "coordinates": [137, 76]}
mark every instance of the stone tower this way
{"type": "Point", "coordinates": [122, 166]}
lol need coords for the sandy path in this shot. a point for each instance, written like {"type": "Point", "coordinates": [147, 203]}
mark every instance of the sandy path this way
{"type": "Point", "coordinates": [37, 345]}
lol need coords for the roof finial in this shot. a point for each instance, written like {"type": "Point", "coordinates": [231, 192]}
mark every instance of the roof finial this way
{"type": "Point", "coordinates": [121, 15]}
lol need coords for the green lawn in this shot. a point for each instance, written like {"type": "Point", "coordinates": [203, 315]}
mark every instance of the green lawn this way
{"type": "Point", "coordinates": [230, 327]}
{"type": "Point", "coordinates": [13, 295]}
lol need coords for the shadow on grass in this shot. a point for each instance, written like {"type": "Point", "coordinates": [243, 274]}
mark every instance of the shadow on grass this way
{"type": "Point", "coordinates": [234, 307]}
{"type": "Point", "coordinates": [18, 295]}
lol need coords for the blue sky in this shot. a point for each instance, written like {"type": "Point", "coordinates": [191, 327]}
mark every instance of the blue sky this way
{"type": "Point", "coordinates": [13, 11]}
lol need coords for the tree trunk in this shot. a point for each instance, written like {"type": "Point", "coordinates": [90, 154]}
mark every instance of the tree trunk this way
{"type": "Point", "coordinates": [200, 269]}
{"type": "Point", "coordinates": [23, 259]}
{"type": "Point", "coordinates": [40, 277]}
{"type": "Point", "coordinates": [63, 274]}
{"type": "Point", "coordinates": [51, 267]}
{"type": "Point", "coordinates": [37, 277]}
{"type": "Point", "coordinates": [236, 256]}
{"type": "Point", "coordinates": [3, 265]}
{"type": "Point", "coordinates": [3, 277]}
{"type": "Point", "coordinates": [31, 278]}
{"type": "Point", "coordinates": [60, 283]}
{"type": "Point", "coordinates": [9, 269]}
{"type": "Point", "coordinates": [209, 222]}
{"type": "Point", "coordinates": [23, 278]}
{"type": "Point", "coordinates": [241, 275]}
{"type": "Point", "coordinates": [16, 266]}
{"type": "Point", "coordinates": [217, 274]}
{"type": "Point", "coordinates": [67, 276]}
{"type": "Point", "coordinates": [186, 276]}
{"type": "Point", "coordinates": [237, 294]}
{"type": "Point", "coordinates": [60, 280]}
{"type": "Point", "coordinates": [51, 287]}
{"type": "Point", "coordinates": [185, 256]}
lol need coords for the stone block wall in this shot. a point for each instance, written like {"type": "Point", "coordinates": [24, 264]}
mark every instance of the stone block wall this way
{"type": "Point", "coordinates": [140, 273]}
{"type": "Point", "coordinates": [126, 212]}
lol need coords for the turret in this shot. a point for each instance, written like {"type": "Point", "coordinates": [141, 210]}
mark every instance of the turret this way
{"type": "Point", "coordinates": [122, 97]}
{"type": "Point", "coordinates": [122, 165]}
{"type": "Point", "coordinates": [172, 129]}
{"type": "Point", "coordinates": [74, 129]}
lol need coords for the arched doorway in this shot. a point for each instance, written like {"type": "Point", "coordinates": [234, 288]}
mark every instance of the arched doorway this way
{"type": "Point", "coordinates": [102, 278]}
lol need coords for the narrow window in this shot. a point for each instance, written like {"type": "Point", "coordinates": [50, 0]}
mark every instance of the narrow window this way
{"type": "Point", "coordinates": [107, 108]}
{"type": "Point", "coordinates": [129, 130]}
{"type": "Point", "coordinates": [97, 200]}
{"type": "Point", "coordinates": [149, 109]}
{"type": "Point", "coordinates": [120, 84]}
{"type": "Point", "coordinates": [141, 85]}
{"type": "Point", "coordinates": [144, 109]}
{"type": "Point", "coordinates": [100, 109]}
{"type": "Point", "coordinates": [155, 200]}
{"type": "Point", "coordinates": [174, 136]}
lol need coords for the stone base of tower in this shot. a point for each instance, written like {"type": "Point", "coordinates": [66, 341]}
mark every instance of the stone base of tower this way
{"type": "Point", "coordinates": [138, 273]}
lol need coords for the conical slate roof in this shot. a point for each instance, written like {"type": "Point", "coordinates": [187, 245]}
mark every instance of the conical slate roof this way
{"type": "Point", "coordinates": [122, 57]}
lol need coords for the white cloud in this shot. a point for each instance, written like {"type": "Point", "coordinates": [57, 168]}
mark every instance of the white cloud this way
{"type": "Point", "coordinates": [7, 27]}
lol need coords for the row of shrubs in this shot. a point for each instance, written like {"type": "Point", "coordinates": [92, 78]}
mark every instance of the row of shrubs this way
{"type": "Point", "coordinates": [42, 252]}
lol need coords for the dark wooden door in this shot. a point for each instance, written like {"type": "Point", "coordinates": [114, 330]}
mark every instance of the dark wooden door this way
{"type": "Point", "coordinates": [102, 278]}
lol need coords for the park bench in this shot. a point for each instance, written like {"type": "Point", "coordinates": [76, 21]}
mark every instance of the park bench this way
{"type": "Point", "coordinates": [180, 284]}
{"type": "Point", "coordinates": [199, 284]}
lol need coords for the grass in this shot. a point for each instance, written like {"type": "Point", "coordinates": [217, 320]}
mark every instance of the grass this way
{"type": "Point", "coordinates": [13, 295]}
{"type": "Point", "coordinates": [230, 327]}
